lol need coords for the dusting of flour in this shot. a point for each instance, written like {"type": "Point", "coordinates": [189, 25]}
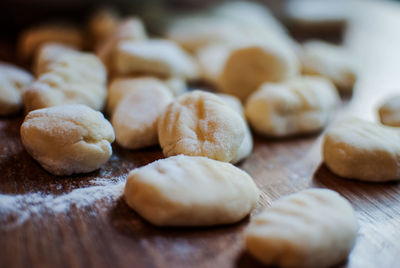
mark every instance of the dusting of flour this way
{"type": "Point", "coordinates": [16, 209]}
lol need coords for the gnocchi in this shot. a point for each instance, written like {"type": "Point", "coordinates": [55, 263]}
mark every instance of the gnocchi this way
{"type": "Point", "coordinates": [200, 124]}
{"type": "Point", "coordinates": [68, 139]}
{"type": "Point", "coordinates": [312, 228]}
{"type": "Point", "coordinates": [190, 191]}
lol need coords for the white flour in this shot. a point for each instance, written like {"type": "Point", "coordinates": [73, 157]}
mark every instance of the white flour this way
{"type": "Point", "coordinates": [16, 209]}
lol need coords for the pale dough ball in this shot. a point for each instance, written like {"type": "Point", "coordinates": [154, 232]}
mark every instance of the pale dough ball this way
{"type": "Point", "coordinates": [120, 87]}
{"type": "Point", "coordinates": [33, 38]}
{"type": "Point", "coordinates": [190, 191]}
{"type": "Point", "coordinates": [318, 15]}
{"type": "Point", "coordinates": [201, 124]}
{"type": "Point", "coordinates": [13, 82]}
{"type": "Point", "coordinates": [135, 117]}
{"type": "Point", "coordinates": [102, 23]}
{"type": "Point", "coordinates": [198, 31]}
{"type": "Point", "coordinates": [241, 68]}
{"type": "Point", "coordinates": [156, 57]}
{"type": "Point", "coordinates": [73, 78]}
{"type": "Point", "coordinates": [68, 139]}
{"type": "Point", "coordinates": [361, 150]}
{"type": "Point", "coordinates": [389, 112]}
{"type": "Point", "coordinates": [297, 106]}
{"type": "Point", "coordinates": [47, 54]}
{"type": "Point", "coordinates": [129, 29]}
{"type": "Point", "coordinates": [313, 228]}
{"type": "Point", "coordinates": [330, 61]}
{"type": "Point", "coordinates": [247, 145]}
{"type": "Point", "coordinates": [177, 85]}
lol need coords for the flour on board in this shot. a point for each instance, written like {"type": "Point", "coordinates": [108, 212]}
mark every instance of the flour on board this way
{"type": "Point", "coordinates": [16, 209]}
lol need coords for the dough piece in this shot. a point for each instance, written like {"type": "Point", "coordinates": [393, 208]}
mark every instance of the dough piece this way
{"type": "Point", "coordinates": [33, 38]}
{"type": "Point", "coordinates": [13, 82]}
{"type": "Point", "coordinates": [177, 85]}
{"type": "Point", "coordinates": [49, 53]}
{"type": "Point", "coordinates": [246, 147]}
{"type": "Point", "coordinates": [78, 78]}
{"type": "Point", "coordinates": [102, 23]}
{"type": "Point", "coordinates": [226, 23]}
{"type": "Point", "coordinates": [68, 139]}
{"type": "Point", "coordinates": [317, 15]}
{"type": "Point", "coordinates": [156, 57]}
{"type": "Point", "coordinates": [120, 87]}
{"type": "Point", "coordinates": [129, 29]}
{"type": "Point", "coordinates": [200, 124]}
{"type": "Point", "coordinates": [312, 228]}
{"type": "Point", "coordinates": [361, 150]}
{"type": "Point", "coordinates": [190, 191]}
{"type": "Point", "coordinates": [199, 31]}
{"type": "Point", "coordinates": [240, 69]}
{"type": "Point", "coordinates": [135, 117]}
{"type": "Point", "coordinates": [297, 106]}
{"type": "Point", "coordinates": [333, 62]}
{"type": "Point", "coordinates": [389, 112]}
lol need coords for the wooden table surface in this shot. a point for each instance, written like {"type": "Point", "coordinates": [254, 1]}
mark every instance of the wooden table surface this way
{"type": "Point", "coordinates": [106, 233]}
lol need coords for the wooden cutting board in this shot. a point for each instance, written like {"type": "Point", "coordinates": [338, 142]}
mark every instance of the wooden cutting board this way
{"type": "Point", "coordinates": [80, 221]}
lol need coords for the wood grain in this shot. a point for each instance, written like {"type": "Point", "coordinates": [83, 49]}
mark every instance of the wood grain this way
{"type": "Point", "coordinates": [109, 234]}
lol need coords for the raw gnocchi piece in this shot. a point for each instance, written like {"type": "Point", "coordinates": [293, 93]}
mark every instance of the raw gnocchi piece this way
{"type": "Point", "coordinates": [312, 228]}
{"type": "Point", "coordinates": [190, 191]}
{"type": "Point", "coordinates": [33, 38]}
{"type": "Point", "coordinates": [129, 29]}
{"type": "Point", "coordinates": [155, 57]}
{"type": "Point", "coordinates": [389, 112]}
{"type": "Point", "coordinates": [13, 82]}
{"type": "Point", "coordinates": [330, 61]}
{"type": "Point", "coordinates": [135, 117]}
{"type": "Point", "coordinates": [101, 24]}
{"type": "Point", "coordinates": [317, 15]}
{"type": "Point", "coordinates": [247, 145]}
{"type": "Point", "coordinates": [297, 106]}
{"type": "Point", "coordinates": [177, 85]}
{"type": "Point", "coordinates": [198, 31]}
{"type": "Point", "coordinates": [200, 124]}
{"type": "Point", "coordinates": [68, 139]}
{"type": "Point", "coordinates": [362, 150]}
{"type": "Point", "coordinates": [49, 53]}
{"type": "Point", "coordinates": [120, 87]}
{"type": "Point", "coordinates": [240, 69]}
{"type": "Point", "coordinates": [73, 78]}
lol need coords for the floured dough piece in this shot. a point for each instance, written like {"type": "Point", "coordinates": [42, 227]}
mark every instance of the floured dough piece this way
{"type": "Point", "coordinates": [49, 53]}
{"type": "Point", "coordinates": [225, 23]}
{"type": "Point", "coordinates": [200, 124]}
{"type": "Point", "coordinates": [102, 23]}
{"type": "Point", "coordinates": [131, 29]}
{"type": "Point", "coordinates": [120, 87]}
{"type": "Point", "coordinates": [73, 78]}
{"type": "Point", "coordinates": [313, 228]}
{"type": "Point", "coordinates": [13, 82]}
{"type": "Point", "coordinates": [198, 31]}
{"type": "Point", "coordinates": [389, 112]}
{"type": "Point", "coordinates": [33, 38]}
{"type": "Point", "coordinates": [68, 139]}
{"type": "Point", "coordinates": [135, 117]}
{"type": "Point", "coordinates": [240, 69]}
{"type": "Point", "coordinates": [361, 150]}
{"type": "Point", "coordinates": [318, 15]}
{"type": "Point", "coordinates": [247, 145]}
{"type": "Point", "coordinates": [330, 61]}
{"type": "Point", "coordinates": [177, 85]}
{"type": "Point", "coordinates": [190, 191]}
{"type": "Point", "coordinates": [297, 106]}
{"type": "Point", "coordinates": [155, 57]}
